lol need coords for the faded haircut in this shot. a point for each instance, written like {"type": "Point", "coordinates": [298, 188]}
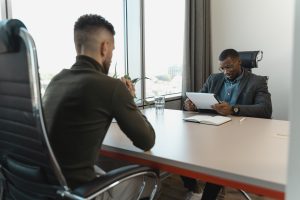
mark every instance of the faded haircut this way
{"type": "Point", "coordinates": [86, 26]}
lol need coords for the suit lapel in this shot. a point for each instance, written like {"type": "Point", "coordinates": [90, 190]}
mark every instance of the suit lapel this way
{"type": "Point", "coordinates": [219, 85]}
{"type": "Point", "coordinates": [243, 83]}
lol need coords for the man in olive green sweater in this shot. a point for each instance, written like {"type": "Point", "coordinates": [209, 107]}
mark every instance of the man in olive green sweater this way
{"type": "Point", "coordinates": [80, 103]}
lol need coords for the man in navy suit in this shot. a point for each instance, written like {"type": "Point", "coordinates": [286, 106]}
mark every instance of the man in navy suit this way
{"type": "Point", "coordinates": [241, 93]}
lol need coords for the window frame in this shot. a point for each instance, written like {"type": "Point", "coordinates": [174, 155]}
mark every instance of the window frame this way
{"type": "Point", "coordinates": [134, 53]}
{"type": "Point", "coordinates": [131, 8]}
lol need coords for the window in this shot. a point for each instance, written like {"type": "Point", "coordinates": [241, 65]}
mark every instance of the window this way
{"type": "Point", "coordinates": [51, 25]}
{"type": "Point", "coordinates": [2, 11]}
{"type": "Point", "coordinates": [164, 39]}
{"type": "Point", "coordinates": [159, 48]}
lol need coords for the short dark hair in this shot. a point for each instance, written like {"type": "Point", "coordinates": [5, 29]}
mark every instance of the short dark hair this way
{"type": "Point", "coordinates": [86, 25]}
{"type": "Point", "coordinates": [228, 53]}
{"type": "Point", "coordinates": [92, 21]}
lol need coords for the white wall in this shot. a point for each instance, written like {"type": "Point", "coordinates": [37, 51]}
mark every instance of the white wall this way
{"type": "Point", "coordinates": [265, 25]}
{"type": "Point", "coordinates": [293, 183]}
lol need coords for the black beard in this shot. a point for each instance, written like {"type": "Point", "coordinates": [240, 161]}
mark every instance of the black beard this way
{"type": "Point", "coordinates": [106, 67]}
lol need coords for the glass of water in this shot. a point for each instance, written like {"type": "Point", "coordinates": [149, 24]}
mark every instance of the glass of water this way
{"type": "Point", "coordinates": [159, 102]}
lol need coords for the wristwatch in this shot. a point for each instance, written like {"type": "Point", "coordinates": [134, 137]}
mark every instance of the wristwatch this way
{"type": "Point", "coordinates": [235, 109]}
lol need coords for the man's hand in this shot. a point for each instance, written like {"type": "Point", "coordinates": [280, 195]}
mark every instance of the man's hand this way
{"type": "Point", "coordinates": [129, 86]}
{"type": "Point", "coordinates": [223, 108]}
{"type": "Point", "coordinates": [189, 106]}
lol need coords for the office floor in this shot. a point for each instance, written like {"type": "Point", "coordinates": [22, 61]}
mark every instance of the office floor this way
{"type": "Point", "coordinates": [172, 189]}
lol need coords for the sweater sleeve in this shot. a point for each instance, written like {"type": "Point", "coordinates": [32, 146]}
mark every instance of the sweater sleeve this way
{"type": "Point", "coordinates": [130, 119]}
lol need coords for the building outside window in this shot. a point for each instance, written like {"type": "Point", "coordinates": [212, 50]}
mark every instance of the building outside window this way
{"type": "Point", "coordinates": [51, 25]}
{"type": "Point", "coordinates": [164, 39]}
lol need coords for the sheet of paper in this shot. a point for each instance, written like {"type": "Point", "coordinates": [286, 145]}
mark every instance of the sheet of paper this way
{"type": "Point", "coordinates": [202, 100]}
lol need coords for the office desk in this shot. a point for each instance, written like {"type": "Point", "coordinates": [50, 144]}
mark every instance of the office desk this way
{"type": "Point", "coordinates": [250, 155]}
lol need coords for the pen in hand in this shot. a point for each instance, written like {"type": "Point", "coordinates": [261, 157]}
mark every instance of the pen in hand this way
{"type": "Point", "coordinates": [217, 98]}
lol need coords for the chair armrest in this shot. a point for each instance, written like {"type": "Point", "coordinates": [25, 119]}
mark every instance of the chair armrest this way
{"type": "Point", "coordinates": [111, 177]}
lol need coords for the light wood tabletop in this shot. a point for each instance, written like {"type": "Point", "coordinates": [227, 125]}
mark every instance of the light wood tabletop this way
{"type": "Point", "coordinates": [245, 153]}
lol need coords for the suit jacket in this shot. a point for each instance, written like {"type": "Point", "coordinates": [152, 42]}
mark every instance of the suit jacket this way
{"type": "Point", "coordinates": [79, 105]}
{"type": "Point", "coordinates": [253, 98]}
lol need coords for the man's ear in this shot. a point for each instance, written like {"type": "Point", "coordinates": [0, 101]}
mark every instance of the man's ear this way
{"type": "Point", "coordinates": [240, 62]}
{"type": "Point", "coordinates": [103, 48]}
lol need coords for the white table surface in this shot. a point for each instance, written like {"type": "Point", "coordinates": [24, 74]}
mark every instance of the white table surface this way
{"type": "Point", "coordinates": [252, 151]}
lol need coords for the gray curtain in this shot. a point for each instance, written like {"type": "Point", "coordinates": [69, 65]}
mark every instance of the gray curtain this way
{"type": "Point", "coordinates": [197, 45]}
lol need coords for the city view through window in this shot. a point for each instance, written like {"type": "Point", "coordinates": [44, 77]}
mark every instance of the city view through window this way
{"type": "Point", "coordinates": [164, 37]}
{"type": "Point", "coordinates": [53, 32]}
{"type": "Point", "coordinates": [53, 36]}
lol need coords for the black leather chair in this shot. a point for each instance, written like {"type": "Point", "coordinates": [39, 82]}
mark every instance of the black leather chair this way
{"type": "Point", "coordinates": [250, 59]}
{"type": "Point", "coordinates": [28, 167]}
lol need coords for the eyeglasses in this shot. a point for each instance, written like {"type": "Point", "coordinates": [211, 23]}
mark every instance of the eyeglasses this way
{"type": "Point", "coordinates": [226, 68]}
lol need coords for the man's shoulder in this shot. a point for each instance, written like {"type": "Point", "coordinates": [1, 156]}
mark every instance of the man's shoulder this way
{"type": "Point", "coordinates": [256, 77]}
{"type": "Point", "coordinates": [216, 76]}
{"type": "Point", "coordinates": [87, 79]}
{"type": "Point", "coordinates": [94, 76]}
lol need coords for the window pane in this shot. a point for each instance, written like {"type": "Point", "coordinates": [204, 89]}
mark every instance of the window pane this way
{"type": "Point", "coordinates": [164, 36]}
{"type": "Point", "coordinates": [1, 10]}
{"type": "Point", "coordinates": [51, 25]}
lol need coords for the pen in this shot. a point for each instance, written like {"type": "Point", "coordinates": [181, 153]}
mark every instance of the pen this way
{"type": "Point", "coordinates": [242, 119]}
{"type": "Point", "coordinates": [218, 100]}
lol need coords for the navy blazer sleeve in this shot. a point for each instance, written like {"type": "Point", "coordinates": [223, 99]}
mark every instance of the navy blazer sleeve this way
{"type": "Point", "coordinates": [207, 86]}
{"type": "Point", "coordinates": [261, 106]}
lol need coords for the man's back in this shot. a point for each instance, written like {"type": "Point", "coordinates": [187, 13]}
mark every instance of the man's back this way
{"type": "Point", "coordinates": [79, 106]}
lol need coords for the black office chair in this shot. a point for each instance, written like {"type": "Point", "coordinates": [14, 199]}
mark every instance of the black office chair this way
{"type": "Point", "coordinates": [250, 59]}
{"type": "Point", "coordinates": [28, 167]}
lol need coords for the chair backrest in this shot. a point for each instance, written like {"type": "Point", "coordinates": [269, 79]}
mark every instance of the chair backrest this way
{"type": "Point", "coordinates": [26, 157]}
{"type": "Point", "coordinates": [28, 168]}
{"type": "Point", "coordinates": [250, 59]}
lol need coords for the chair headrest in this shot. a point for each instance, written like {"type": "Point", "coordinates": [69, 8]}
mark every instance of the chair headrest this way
{"type": "Point", "coordinates": [9, 31]}
{"type": "Point", "coordinates": [249, 59]}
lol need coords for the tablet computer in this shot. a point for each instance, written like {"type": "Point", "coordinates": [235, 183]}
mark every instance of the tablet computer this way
{"type": "Point", "coordinates": [202, 100]}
